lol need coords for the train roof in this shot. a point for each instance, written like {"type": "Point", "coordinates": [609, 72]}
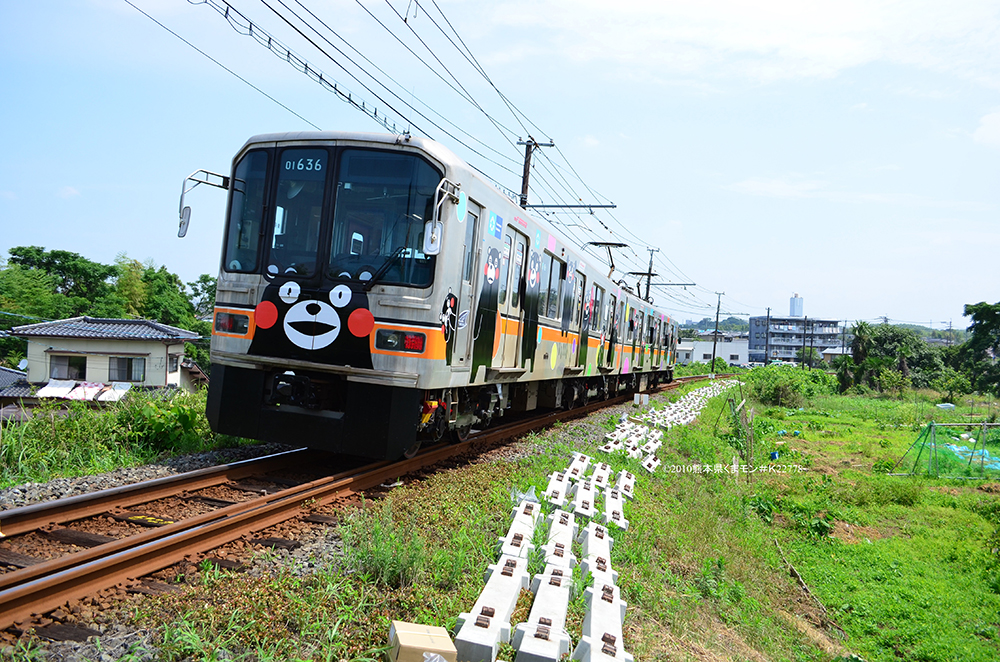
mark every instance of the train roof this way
{"type": "Point", "coordinates": [432, 147]}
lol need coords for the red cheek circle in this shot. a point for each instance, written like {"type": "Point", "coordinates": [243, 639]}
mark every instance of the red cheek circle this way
{"type": "Point", "coordinates": [265, 315]}
{"type": "Point", "coordinates": [361, 322]}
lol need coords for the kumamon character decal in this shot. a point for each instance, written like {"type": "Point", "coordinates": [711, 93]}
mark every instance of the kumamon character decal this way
{"type": "Point", "coordinates": [533, 282]}
{"type": "Point", "coordinates": [316, 325]}
{"type": "Point", "coordinates": [449, 323]}
{"type": "Point", "coordinates": [484, 330]}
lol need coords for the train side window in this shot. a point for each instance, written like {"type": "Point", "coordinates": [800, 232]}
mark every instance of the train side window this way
{"type": "Point", "coordinates": [246, 213]}
{"type": "Point", "coordinates": [470, 245]}
{"type": "Point", "coordinates": [543, 283]}
{"type": "Point", "coordinates": [515, 276]}
{"type": "Point", "coordinates": [579, 287]}
{"type": "Point", "coordinates": [609, 320]}
{"type": "Point", "coordinates": [504, 267]}
{"type": "Point", "coordinates": [620, 320]}
{"type": "Point", "coordinates": [598, 309]}
{"type": "Point", "coordinates": [639, 326]}
{"type": "Point", "coordinates": [556, 280]}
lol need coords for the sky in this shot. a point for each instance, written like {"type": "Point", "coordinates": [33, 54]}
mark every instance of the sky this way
{"type": "Point", "coordinates": [848, 152]}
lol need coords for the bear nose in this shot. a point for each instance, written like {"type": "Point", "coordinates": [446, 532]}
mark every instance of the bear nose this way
{"type": "Point", "coordinates": [313, 308]}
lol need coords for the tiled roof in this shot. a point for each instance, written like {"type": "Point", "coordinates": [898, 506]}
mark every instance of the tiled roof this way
{"type": "Point", "coordinates": [113, 329]}
{"type": "Point", "coordinates": [20, 389]}
{"type": "Point", "coordinates": [10, 376]}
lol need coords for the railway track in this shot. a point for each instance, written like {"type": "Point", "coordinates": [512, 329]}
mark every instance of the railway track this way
{"type": "Point", "coordinates": [37, 586]}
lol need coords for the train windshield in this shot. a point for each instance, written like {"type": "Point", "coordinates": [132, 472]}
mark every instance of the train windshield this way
{"type": "Point", "coordinates": [382, 202]}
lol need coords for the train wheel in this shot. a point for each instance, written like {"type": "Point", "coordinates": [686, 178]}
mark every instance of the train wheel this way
{"type": "Point", "coordinates": [461, 433]}
{"type": "Point", "coordinates": [411, 452]}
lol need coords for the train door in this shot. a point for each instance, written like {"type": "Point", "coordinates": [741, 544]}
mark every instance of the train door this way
{"type": "Point", "coordinates": [513, 264]}
{"type": "Point", "coordinates": [578, 323]}
{"type": "Point", "coordinates": [461, 322]}
{"type": "Point", "coordinates": [611, 331]}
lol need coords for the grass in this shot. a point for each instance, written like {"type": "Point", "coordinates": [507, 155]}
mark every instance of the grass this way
{"type": "Point", "coordinates": [81, 440]}
{"type": "Point", "coordinates": [903, 567]}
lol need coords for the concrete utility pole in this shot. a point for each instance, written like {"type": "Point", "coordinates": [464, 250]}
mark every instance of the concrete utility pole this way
{"type": "Point", "coordinates": [805, 323]}
{"type": "Point", "coordinates": [767, 339]}
{"type": "Point", "coordinates": [715, 337]}
{"type": "Point", "coordinates": [649, 276]}
{"type": "Point", "coordinates": [529, 147]}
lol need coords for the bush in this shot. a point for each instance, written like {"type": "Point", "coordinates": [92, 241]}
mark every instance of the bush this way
{"type": "Point", "coordinates": [786, 386]}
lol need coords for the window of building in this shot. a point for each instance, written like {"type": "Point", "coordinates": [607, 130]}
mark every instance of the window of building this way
{"type": "Point", "coordinates": [707, 357]}
{"type": "Point", "coordinates": [68, 367]}
{"type": "Point", "coordinates": [126, 369]}
{"type": "Point", "coordinates": [173, 363]}
{"type": "Point", "coordinates": [734, 357]}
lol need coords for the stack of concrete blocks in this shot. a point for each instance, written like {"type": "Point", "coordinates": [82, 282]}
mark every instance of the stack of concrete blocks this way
{"type": "Point", "coordinates": [481, 631]}
{"type": "Point", "coordinates": [543, 638]}
{"type": "Point", "coordinates": [557, 491]}
{"type": "Point", "coordinates": [686, 410]}
{"type": "Point", "coordinates": [602, 626]}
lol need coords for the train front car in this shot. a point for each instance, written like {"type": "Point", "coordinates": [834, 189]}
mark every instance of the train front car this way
{"type": "Point", "coordinates": [325, 334]}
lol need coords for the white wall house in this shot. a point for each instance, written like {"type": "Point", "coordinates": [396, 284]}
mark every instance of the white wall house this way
{"type": "Point", "coordinates": [88, 349]}
{"type": "Point", "coordinates": [734, 351]}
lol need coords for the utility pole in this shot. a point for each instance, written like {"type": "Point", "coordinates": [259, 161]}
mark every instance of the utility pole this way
{"type": "Point", "coordinates": [767, 339]}
{"type": "Point", "coordinates": [529, 147]}
{"type": "Point", "coordinates": [843, 339]}
{"type": "Point", "coordinates": [812, 337]}
{"type": "Point", "coordinates": [715, 337]}
{"type": "Point", "coordinates": [805, 323]}
{"type": "Point", "coordinates": [649, 276]}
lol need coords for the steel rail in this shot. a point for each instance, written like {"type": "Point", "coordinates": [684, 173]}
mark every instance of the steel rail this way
{"type": "Point", "coordinates": [47, 585]}
{"type": "Point", "coordinates": [29, 518]}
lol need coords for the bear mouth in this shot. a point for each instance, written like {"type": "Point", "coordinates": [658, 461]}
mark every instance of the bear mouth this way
{"type": "Point", "coordinates": [311, 328]}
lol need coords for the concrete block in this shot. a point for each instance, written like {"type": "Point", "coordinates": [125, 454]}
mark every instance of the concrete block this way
{"type": "Point", "coordinates": [602, 626]}
{"type": "Point", "coordinates": [650, 463]}
{"type": "Point", "coordinates": [559, 546]}
{"type": "Point", "coordinates": [556, 490]}
{"type": "Point", "coordinates": [525, 518]}
{"type": "Point", "coordinates": [625, 481]}
{"type": "Point", "coordinates": [543, 638]}
{"type": "Point", "coordinates": [651, 446]}
{"type": "Point", "coordinates": [602, 472]}
{"type": "Point", "coordinates": [597, 544]}
{"type": "Point", "coordinates": [585, 499]}
{"type": "Point", "coordinates": [578, 467]}
{"type": "Point", "coordinates": [481, 631]}
{"type": "Point", "coordinates": [614, 509]}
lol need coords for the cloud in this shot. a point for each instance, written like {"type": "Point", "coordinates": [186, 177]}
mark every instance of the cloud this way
{"type": "Point", "coordinates": [764, 41]}
{"type": "Point", "coordinates": [8, 195]}
{"type": "Point", "coordinates": [858, 107]}
{"type": "Point", "coordinates": [68, 192]}
{"type": "Point", "coordinates": [988, 132]}
{"type": "Point", "coordinates": [590, 141]}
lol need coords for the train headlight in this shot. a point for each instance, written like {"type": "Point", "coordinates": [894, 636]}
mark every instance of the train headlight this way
{"type": "Point", "coordinates": [235, 324]}
{"type": "Point", "coordinates": [400, 341]}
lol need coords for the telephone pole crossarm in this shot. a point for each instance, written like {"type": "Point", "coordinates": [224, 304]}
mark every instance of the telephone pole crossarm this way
{"type": "Point", "coordinates": [529, 146]}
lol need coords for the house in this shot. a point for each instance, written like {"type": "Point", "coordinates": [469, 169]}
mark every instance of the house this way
{"type": "Point", "coordinates": [775, 338]}
{"type": "Point", "coordinates": [731, 348]}
{"type": "Point", "coordinates": [98, 351]}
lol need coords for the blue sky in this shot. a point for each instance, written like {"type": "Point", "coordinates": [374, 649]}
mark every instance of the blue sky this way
{"type": "Point", "coordinates": [849, 152]}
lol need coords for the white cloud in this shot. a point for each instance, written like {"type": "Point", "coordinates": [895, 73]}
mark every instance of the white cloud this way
{"type": "Point", "coordinates": [8, 195]}
{"type": "Point", "coordinates": [590, 141]}
{"type": "Point", "coordinates": [68, 192]}
{"type": "Point", "coordinates": [988, 132]}
{"type": "Point", "coordinates": [763, 41]}
{"type": "Point", "coordinates": [859, 107]}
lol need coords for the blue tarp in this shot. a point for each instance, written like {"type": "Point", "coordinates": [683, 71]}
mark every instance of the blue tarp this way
{"type": "Point", "coordinates": [989, 461]}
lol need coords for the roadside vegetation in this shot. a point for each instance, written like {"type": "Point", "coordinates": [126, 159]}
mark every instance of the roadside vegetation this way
{"type": "Point", "coordinates": [77, 439]}
{"type": "Point", "coordinates": [715, 565]}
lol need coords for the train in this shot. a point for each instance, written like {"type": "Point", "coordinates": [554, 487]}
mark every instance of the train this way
{"type": "Point", "coordinates": [377, 293]}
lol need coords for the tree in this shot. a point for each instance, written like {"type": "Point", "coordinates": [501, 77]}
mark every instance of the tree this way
{"type": "Point", "coordinates": [203, 295]}
{"type": "Point", "coordinates": [952, 383]}
{"type": "Point", "coordinates": [809, 355]}
{"type": "Point", "coordinates": [979, 353]}
{"type": "Point", "coordinates": [81, 280]}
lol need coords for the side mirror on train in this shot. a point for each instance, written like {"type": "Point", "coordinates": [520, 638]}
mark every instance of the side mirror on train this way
{"type": "Point", "coordinates": [185, 222]}
{"type": "Point", "coordinates": [432, 237]}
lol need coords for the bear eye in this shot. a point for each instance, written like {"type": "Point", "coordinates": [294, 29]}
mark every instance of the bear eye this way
{"type": "Point", "coordinates": [289, 292]}
{"type": "Point", "coordinates": [340, 296]}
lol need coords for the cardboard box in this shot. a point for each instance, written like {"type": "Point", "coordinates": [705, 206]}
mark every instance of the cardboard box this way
{"type": "Point", "coordinates": [410, 641]}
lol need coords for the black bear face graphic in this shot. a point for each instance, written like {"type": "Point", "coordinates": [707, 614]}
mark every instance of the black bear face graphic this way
{"type": "Point", "coordinates": [326, 326]}
{"type": "Point", "coordinates": [492, 270]}
{"type": "Point", "coordinates": [534, 267]}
